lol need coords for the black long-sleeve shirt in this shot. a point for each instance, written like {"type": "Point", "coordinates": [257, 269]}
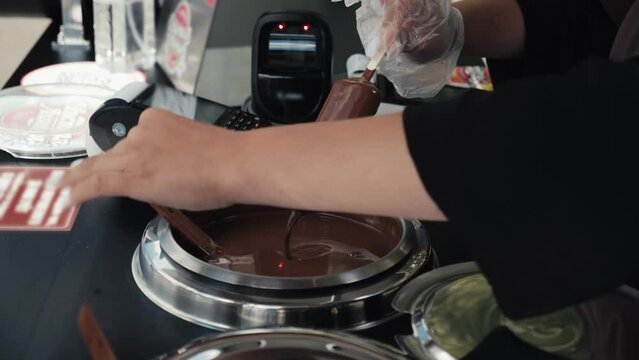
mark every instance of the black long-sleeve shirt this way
{"type": "Point", "coordinates": [539, 177]}
{"type": "Point", "coordinates": [559, 33]}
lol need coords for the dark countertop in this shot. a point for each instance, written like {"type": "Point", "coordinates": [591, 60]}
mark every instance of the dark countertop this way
{"type": "Point", "coordinates": [47, 276]}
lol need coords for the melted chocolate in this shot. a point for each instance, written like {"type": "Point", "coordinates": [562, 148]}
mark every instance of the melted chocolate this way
{"type": "Point", "coordinates": [320, 243]}
{"type": "Point", "coordinates": [351, 98]}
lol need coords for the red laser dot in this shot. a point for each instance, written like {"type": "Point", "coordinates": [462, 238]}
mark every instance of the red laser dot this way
{"type": "Point", "coordinates": [307, 27]}
{"type": "Point", "coordinates": [280, 265]}
{"type": "Point", "coordinates": [281, 26]}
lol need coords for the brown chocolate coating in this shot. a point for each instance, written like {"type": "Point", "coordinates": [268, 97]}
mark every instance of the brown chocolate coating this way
{"type": "Point", "coordinates": [351, 98]}
{"type": "Point", "coordinates": [321, 243]}
{"type": "Point", "coordinates": [368, 75]}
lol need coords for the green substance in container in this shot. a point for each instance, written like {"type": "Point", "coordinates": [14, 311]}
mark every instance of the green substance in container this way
{"type": "Point", "coordinates": [465, 311]}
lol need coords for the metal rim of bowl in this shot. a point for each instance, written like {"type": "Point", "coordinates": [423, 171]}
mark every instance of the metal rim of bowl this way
{"type": "Point", "coordinates": [415, 299]}
{"type": "Point", "coordinates": [406, 244]}
{"type": "Point", "coordinates": [340, 344]}
{"type": "Point", "coordinates": [223, 306]}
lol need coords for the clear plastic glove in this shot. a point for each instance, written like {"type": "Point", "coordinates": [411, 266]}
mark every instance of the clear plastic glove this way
{"type": "Point", "coordinates": [422, 38]}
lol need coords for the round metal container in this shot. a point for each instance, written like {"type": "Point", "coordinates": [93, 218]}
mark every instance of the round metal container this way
{"type": "Point", "coordinates": [410, 235]}
{"type": "Point", "coordinates": [356, 304]}
{"type": "Point", "coordinates": [453, 309]}
{"type": "Point", "coordinates": [285, 344]}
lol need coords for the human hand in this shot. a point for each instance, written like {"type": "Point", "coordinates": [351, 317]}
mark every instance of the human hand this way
{"type": "Point", "coordinates": [422, 40]}
{"type": "Point", "coordinates": [166, 159]}
{"type": "Point", "coordinates": [424, 30]}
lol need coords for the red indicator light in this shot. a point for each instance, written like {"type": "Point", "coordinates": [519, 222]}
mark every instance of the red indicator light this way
{"type": "Point", "coordinates": [280, 265]}
{"type": "Point", "coordinates": [281, 26]}
{"type": "Point", "coordinates": [306, 27]}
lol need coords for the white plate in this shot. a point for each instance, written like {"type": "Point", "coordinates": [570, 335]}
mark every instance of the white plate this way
{"type": "Point", "coordinates": [83, 73]}
{"type": "Point", "coordinates": [47, 121]}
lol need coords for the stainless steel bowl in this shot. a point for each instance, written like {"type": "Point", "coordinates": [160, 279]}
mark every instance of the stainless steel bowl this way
{"type": "Point", "coordinates": [409, 239]}
{"type": "Point", "coordinates": [285, 344]}
{"type": "Point", "coordinates": [453, 309]}
{"type": "Point", "coordinates": [223, 306]}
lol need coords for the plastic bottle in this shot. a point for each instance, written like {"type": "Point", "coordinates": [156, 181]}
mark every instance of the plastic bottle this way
{"type": "Point", "coordinates": [124, 34]}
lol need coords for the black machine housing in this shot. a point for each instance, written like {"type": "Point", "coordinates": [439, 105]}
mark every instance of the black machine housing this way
{"type": "Point", "coordinates": [113, 121]}
{"type": "Point", "coordinates": [292, 66]}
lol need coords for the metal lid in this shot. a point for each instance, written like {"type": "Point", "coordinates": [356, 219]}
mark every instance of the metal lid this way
{"type": "Point", "coordinates": [285, 344]}
{"type": "Point", "coordinates": [47, 121]}
{"type": "Point", "coordinates": [411, 235]}
{"type": "Point", "coordinates": [453, 309]}
{"type": "Point", "coordinates": [224, 306]}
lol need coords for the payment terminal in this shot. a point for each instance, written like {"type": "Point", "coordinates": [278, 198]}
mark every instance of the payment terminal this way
{"type": "Point", "coordinates": [292, 65]}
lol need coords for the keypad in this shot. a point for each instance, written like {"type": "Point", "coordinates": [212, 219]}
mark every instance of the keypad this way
{"type": "Point", "coordinates": [241, 121]}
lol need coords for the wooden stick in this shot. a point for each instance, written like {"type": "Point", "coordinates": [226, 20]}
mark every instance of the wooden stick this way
{"type": "Point", "coordinates": [375, 60]}
{"type": "Point", "coordinates": [93, 336]}
{"type": "Point", "coordinates": [378, 57]}
{"type": "Point", "coordinates": [191, 231]}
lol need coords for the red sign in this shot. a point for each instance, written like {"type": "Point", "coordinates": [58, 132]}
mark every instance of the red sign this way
{"type": "Point", "coordinates": [29, 200]}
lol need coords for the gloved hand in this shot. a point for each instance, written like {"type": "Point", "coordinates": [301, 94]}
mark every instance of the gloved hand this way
{"type": "Point", "coordinates": [423, 39]}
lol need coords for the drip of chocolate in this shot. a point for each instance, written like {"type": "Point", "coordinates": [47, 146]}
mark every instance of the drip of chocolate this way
{"type": "Point", "coordinates": [348, 99]}
{"type": "Point", "coordinates": [293, 219]}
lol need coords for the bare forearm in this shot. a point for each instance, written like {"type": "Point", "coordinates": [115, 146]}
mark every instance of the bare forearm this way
{"type": "Point", "coordinates": [360, 166]}
{"type": "Point", "coordinates": [493, 28]}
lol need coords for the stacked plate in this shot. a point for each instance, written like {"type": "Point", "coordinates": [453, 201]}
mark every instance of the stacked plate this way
{"type": "Point", "coordinates": [48, 121]}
